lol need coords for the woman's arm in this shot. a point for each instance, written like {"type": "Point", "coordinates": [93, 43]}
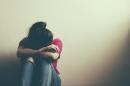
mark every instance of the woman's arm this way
{"type": "Point", "coordinates": [50, 55]}
{"type": "Point", "coordinates": [52, 52]}
{"type": "Point", "coordinates": [46, 52]}
{"type": "Point", "coordinates": [26, 52]}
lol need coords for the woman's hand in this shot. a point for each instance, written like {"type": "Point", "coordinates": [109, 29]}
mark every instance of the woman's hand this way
{"type": "Point", "coordinates": [50, 55]}
{"type": "Point", "coordinates": [43, 49]}
{"type": "Point", "coordinates": [50, 48]}
{"type": "Point", "coordinates": [50, 52]}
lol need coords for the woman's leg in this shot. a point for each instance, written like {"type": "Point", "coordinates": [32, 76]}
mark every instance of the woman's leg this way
{"type": "Point", "coordinates": [55, 81]}
{"type": "Point", "coordinates": [43, 73]}
{"type": "Point", "coordinates": [26, 73]}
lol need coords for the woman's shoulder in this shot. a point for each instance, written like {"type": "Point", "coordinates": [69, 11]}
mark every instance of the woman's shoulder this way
{"type": "Point", "coordinates": [58, 42]}
{"type": "Point", "coordinates": [23, 41]}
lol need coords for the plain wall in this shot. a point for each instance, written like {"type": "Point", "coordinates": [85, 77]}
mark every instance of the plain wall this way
{"type": "Point", "coordinates": [94, 34]}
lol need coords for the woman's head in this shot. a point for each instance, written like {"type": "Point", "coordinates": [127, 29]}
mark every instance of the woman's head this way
{"type": "Point", "coordinates": [36, 28]}
{"type": "Point", "coordinates": [46, 37]}
{"type": "Point", "coordinates": [39, 36]}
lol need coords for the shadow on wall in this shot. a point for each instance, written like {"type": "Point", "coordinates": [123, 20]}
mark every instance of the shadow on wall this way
{"type": "Point", "coordinates": [120, 75]}
{"type": "Point", "coordinates": [9, 71]}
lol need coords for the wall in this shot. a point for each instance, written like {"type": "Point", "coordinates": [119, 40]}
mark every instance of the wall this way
{"type": "Point", "coordinates": [94, 33]}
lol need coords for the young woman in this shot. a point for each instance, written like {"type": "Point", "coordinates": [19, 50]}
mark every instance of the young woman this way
{"type": "Point", "coordinates": [39, 54]}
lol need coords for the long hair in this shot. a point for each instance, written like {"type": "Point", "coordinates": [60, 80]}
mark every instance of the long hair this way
{"type": "Point", "coordinates": [39, 36]}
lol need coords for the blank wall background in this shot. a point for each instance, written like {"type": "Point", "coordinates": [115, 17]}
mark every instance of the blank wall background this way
{"type": "Point", "coordinates": [94, 34]}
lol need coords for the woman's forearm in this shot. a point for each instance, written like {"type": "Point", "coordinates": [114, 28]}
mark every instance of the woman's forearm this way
{"type": "Point", "coordinates": [46, 52]}
{"type": "Point", "coordinates": [26, 52]}
{"type": "Point", "coordinates": [50, 48]}
{"type": "Point", "coordinates": [50, 52]}
{"type": "Point", "coordinates": [50, 55]}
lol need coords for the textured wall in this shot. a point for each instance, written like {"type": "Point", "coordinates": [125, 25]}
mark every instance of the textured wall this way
{"type": "Point", "coordinates": [94, 33]}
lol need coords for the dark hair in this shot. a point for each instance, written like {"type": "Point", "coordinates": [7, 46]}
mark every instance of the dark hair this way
{"type": "Point", "coordinates": [39, 36]}
{"type": "Point", "coordinates": [35, 28]}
